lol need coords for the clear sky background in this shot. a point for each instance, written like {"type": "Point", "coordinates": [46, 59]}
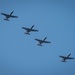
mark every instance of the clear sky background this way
{"type": "Point", "coordinates": [19, 53]}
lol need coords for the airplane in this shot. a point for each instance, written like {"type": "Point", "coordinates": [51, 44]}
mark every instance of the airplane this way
{"type": "Point", "coordinates": [28, 30]}
{"type": "Point", "coordinates": [42, 41]}
{"type": "Point", "coordinates": [7, 16]}
{"type": "Point", "coordinates": [66, 57]}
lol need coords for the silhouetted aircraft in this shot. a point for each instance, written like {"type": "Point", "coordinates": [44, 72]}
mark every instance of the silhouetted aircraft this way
{"type": "Point", "coordinates": [42, 41]}
{"type": "Point", "coordinates": [66, 57]}
{"type": "Point", "coordinates": [7, 16]}
{"type": "Point", "coordinates": [28, 30]}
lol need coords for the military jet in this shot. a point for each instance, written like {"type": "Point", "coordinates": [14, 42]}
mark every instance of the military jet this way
{"type": "Point", "coordinates": [66, 57]}
{"type": "Point", "coordinates": [28, 30]}
{"type": "Point", "coordinates": [42, 41]}
{"type": "Point", "coordinates": [7, 16]}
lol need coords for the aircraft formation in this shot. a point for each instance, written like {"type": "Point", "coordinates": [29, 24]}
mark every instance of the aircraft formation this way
{"type": "Point", "coordinates": [28, 30]}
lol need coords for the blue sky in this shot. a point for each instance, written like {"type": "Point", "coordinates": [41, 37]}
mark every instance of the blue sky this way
{"type": "Point", "coordinates": [19, 53]}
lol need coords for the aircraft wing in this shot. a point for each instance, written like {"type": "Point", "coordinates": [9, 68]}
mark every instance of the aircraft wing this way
{"type": "Point", "coordinates": [14, 16]}
{"type": "Point", "coordinates": [34, 30]}
{"type": "Point", "coordinates": [24, 28]}
{"type": "Point", "coordinates": [4, 14]}
{"type": "Point", "coordinates": [37, 39]}
{"type": "Point", "coordinates": [70, 58]}
{"type": "Point", "coordinates": [62, 56]}
{"type": "Point", "coordinates": [46, 42]}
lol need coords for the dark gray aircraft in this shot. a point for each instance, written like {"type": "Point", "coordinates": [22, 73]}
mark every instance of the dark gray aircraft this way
{"type": "Point", "coordinates": [66, 57]}
{"type": "Point", "coordinates": [42, 41]}
{"type": "Point", "coordinates": [7, 16]}
{"type": "Point", "coordinates": [28, 30]}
